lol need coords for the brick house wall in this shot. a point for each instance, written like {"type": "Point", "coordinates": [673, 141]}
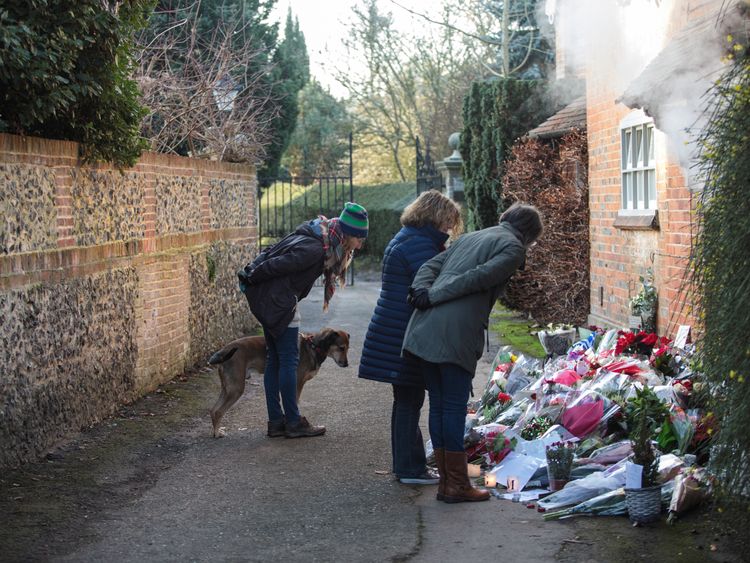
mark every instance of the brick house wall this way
{"type": "Point", "coordinates": [111, 282]}
{"type": "Point", "coordinates": [621, 250]}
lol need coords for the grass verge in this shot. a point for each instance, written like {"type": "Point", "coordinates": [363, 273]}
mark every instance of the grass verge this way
{"type": "Point", "coordinates": [513, 329]}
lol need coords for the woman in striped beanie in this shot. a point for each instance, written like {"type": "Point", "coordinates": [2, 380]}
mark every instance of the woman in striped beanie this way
{"type": "Point", "coordinates": [276, 281]}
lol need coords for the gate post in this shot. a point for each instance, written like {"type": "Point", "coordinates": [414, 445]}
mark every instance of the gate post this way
{"type": "Point", "coordinates": [452, 170]}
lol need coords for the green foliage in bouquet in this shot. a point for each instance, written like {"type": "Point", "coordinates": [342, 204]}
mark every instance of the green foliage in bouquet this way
{"type": "Point", "coordinates": [646, 415]}
{"type": "Point", "coordinates": [536, 427]}
{"type": "Point", "coordinates": [720, 264]}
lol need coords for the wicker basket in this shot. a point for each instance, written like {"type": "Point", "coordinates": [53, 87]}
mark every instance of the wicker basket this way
{"type": "Point", "coordinates": [644, 505]}
{"type": "Point", "coordinates": [557, 343]}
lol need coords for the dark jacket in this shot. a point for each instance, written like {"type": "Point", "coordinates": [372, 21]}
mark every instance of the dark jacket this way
{"type": "Point", "coordinates": [282, 275]}
{"type": "Point", "coordinates": [381, 353]}
{"type": "Point", "coordinates": [464, 282]}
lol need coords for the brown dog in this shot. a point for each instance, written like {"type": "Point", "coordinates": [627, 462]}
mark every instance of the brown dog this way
{"type": "Point", "coordinates": [249, 353]}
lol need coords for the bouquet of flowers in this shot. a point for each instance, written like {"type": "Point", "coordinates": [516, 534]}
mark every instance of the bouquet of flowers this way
{"type": "Point", "coordinates": [494, 408]}
{"type": "Point", "coordinates": [498, 446]}
{"type": "Point", "coordinates": [638, 343]}
{"type": "Point", "coordinates": [536, 427]}
{"type": "Point", "coordinates": [661, 361]}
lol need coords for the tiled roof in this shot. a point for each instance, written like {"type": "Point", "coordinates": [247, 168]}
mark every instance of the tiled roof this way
{"type": "Point", "coordinates": [572, 116]}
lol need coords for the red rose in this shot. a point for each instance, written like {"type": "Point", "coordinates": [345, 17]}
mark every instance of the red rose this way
{"type": "Point", "coordinates": [648, 339]}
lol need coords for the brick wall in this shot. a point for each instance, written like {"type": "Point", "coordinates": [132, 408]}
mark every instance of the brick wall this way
{"type": "Point", "coordinates": [618, 255]}
{"type": "Point", "coordinates": [111, 282]}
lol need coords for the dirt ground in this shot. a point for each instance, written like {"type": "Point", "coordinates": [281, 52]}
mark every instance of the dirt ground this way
{"type": "Point", "coordinates": [151, 484]}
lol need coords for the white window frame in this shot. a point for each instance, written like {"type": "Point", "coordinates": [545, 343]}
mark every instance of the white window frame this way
{"type": "Point", "coordinates": [637, 163]}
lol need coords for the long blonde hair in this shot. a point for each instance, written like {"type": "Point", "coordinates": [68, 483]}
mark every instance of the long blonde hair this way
{"type": "Point", "coordinates": [433, 208]}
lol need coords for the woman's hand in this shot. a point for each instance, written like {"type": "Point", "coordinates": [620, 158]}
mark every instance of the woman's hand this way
{"type": "Point", "coordinates": [419, 298]}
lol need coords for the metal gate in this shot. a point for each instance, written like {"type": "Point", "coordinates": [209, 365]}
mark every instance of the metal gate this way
{"type": "Point", "coordinates": [286, 202]}
{"type": "Point", "coordinates": [428, 177]}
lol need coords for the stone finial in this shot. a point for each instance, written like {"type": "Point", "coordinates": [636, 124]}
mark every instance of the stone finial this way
{"type": "Point", "coordinates": [453, 143]}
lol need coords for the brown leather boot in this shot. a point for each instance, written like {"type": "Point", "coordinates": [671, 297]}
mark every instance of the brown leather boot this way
{"type": "Point", "coordinates": [458, 487]}
{"type": "Point", "coordinates": [440, 459]}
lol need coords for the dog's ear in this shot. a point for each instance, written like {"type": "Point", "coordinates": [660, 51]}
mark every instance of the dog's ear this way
{"type": "Point", "coordinates": [322, 339]}
{"type": "Point", "coordinates": [330, 338]}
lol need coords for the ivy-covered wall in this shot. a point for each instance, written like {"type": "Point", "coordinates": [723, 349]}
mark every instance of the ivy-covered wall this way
{"type": "Point", "coordinates": [111, 282]}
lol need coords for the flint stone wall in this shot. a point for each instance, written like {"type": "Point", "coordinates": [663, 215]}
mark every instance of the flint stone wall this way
{"type": "Point", "coordinates": [111, 282]}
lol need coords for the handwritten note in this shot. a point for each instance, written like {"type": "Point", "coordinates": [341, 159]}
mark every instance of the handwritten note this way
{"type": "Point", "coordinates": [633, 475]}
{"type": "Point", "coordinates": [683, 332]}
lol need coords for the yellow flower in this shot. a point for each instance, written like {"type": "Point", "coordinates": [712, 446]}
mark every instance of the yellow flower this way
{"type": "Point", "coordinates": [732, 373]}
{"type": "Point", "coordinates": [741, 379]}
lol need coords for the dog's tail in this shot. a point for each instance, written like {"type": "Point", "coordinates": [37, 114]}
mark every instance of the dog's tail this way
{"type": "Point", "coordinates": [221, 356]}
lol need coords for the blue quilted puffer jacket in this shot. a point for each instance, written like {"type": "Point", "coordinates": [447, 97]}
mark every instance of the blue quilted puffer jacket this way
{"type": "Point", "coordinates": [381, 353]}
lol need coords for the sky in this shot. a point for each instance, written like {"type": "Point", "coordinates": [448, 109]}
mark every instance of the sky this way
{"type": "Point", "coordinates": [323, 22]}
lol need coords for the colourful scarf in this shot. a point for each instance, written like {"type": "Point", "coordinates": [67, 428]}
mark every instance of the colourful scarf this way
{"type": "Point", "coordinates": [336, 259]}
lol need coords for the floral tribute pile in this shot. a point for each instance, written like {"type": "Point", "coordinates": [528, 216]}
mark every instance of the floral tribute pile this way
{"type": "Point", "coordinates": [576, 405]}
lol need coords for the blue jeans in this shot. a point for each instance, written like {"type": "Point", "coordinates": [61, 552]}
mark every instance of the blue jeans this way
{"type": "Point", "coordinates": [407, 446]}
{"type": "Point", "coordinates": [449, 386]}
{"type": "Point", "coordinates": [280, 377]}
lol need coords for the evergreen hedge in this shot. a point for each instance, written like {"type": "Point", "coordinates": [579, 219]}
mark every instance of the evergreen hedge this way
{"type": "Point", "coordinates": [721, 277]}
{"type": "Point", "coordinates": [495, 113]}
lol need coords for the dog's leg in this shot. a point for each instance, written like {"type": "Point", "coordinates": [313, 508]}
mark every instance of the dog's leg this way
{"type": "Point", "coordinates": [232, 387]}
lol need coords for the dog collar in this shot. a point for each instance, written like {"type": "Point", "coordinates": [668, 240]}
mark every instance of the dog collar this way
{"type": "Point", "coordinates": [320, 354]}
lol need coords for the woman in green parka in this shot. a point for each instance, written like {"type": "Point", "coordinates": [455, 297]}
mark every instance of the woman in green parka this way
{"type": "Point", "coordinates": [453, 294]}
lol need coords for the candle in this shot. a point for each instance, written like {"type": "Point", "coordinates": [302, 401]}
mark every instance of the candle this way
{"type": "Point", "coordinates": [512, 484]}
{"type": "Point", "coordinates": [490, 480]}
{"type": "Point", "coordinates": [474, 470]}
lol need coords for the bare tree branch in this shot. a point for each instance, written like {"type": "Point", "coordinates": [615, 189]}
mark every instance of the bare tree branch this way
{"type": "Point", "coordinates": [202, 93]}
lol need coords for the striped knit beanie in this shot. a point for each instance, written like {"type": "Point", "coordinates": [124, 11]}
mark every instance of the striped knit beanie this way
{"type": "Point", "coordinates": [353, 220]}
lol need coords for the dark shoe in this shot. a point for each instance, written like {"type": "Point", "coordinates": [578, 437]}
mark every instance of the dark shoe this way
{"type": "Point", "coordinates": [303, 429]}
{"type": "Point", "coordinates": [458, 487]}
{"type": "Point", "coordinates": [276, 429]}
{"type": "Point", "coordinates": [440, 459]}
{"type": "Point", "coordinates": [429, 477]}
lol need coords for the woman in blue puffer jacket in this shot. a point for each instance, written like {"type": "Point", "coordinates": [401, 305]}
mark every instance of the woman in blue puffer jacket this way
{"type": "Point", "coordinates": [427, 223]}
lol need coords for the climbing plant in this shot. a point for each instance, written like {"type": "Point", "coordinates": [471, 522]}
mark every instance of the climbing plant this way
{"type": "Point", "coordinates": [720, 263]}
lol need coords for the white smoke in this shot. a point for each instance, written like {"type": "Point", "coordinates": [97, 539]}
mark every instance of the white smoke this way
{"type": "Point", "coordinates": [615, 40]}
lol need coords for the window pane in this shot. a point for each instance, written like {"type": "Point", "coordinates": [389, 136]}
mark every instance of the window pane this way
{"type": "Point", "coordinates": [638, 150]}
{"type": "Point", "coordinates": [651, 145]}
{"type": "Point", "coordinates": [625, 191]}
{"type": "Point", "coordinates": [626, 149]}
{"type": "Point", "coordinates": [639, 203]}
{"type": "Point", "coordinates": [652, 188]}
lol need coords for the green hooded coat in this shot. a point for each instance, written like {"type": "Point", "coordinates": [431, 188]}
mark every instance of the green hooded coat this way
{"type": "Point", "coordinates": [463, 282]}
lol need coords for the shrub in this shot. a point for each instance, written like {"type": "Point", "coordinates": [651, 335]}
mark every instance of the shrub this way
{"type": "Point", "coordinates": [496, 113]}
{"type": "Point", "coordinates": [554, 286]}
{"type": "Point", "coordinates": [65, 74]}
